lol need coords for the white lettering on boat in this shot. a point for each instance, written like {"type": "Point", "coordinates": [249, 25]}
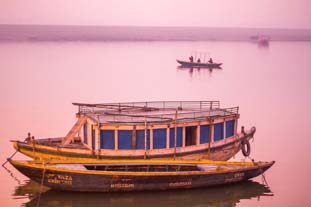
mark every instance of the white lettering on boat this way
{"type": "Point", "coordinates": [122, 185]}
{"type": "Point", "coordinates": [181, 183]}
{"type": "Point", "coordinates": [236, 177]}
{"type": "Point", "coordinates": [59, 179]}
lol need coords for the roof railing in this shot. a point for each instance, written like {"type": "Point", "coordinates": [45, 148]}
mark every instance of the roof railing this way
{"type": "Point", "coordinates": [146, 106]}
{"type": "Point", "coordinates": [165, 118]}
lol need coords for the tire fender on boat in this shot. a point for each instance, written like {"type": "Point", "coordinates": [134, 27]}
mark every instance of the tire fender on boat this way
{"type": "Point", "coordinates": [246, 147]}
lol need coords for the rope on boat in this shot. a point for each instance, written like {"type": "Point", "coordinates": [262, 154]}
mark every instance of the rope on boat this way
{"type": "Point", "coordinates": [12, 175]}
{"type": "Point", "coordinates": [263, 177]}
{"type": "Point", "coordinates": [42, 180]}
{"type": "Point", "coordinates": [9, 171]}
{"type": "Point", "coordinates": [10, 158]}
{"type": "Point", "coordinates": [41, 185]}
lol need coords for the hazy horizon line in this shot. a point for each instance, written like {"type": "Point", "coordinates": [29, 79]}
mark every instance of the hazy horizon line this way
{"type": "Point", "coordinates": [35, 32]}
{"type": "Point", "coordinates": [158, 26]}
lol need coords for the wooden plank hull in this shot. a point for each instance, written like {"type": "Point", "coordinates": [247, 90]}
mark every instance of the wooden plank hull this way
{"type": "Point", "coordinates": [104, 181]}
{"type": "Point", "coordinates": [218, 151]}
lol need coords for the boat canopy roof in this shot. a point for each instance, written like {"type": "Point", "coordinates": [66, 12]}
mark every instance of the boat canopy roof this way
{"type": "Point", "coordinates": [154, 112]}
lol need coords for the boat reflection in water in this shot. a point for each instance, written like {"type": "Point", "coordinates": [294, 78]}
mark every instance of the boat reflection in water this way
{"type": "Point", "coordinates": [226, 196]}
{"type": "Point", "coordinates": [198, 70]}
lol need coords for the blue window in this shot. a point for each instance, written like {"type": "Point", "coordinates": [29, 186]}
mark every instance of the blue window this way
{"type": "Point", "coordinates": [159, 138]}
{"type": "Point", "coordinates": [204, 134]}
{"type": "Point", "coordinates": [218, 131]}
{"type": "Point", "coordinates": [140, 139]}
{"type": "Point", "coordinates": [107, 139]}
{"type": "Point", "coordinates": [125, 139]}
{"type": "Point", "coordinates": [230, 128]}
{"type": "Point", "coordinates": [178, 138]}
{"type": "Point", "coordinates": [85, 133]}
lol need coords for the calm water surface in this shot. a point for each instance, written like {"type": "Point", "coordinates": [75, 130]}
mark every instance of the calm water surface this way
{"type": "Point", "coordinates": [272, 87]}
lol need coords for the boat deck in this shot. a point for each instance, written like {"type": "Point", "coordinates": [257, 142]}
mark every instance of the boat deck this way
{"type": "Point", "coordinates": [57, 141]}
{"type": "Point", "coordinates": [141, 167]}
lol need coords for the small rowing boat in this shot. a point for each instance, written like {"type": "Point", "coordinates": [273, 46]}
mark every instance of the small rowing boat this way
{"type": "Point", "coordinates": [137, 175]}
{"type": "Point", "coordinates": [199, 64]}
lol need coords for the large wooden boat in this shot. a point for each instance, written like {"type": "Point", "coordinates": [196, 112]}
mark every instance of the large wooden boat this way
{"type": "Point", "coordinates": [138, 175]}
{"type": "Point", "coordinates": [146, 130]}
{"type": "Point", "coordinates": [199, 64]}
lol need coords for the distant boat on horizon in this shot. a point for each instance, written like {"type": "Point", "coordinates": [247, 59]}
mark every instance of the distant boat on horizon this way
{"type": "Point", "coordinates": [262, 40]}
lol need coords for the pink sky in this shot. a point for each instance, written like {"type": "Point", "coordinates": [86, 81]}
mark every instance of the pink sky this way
{"type": "Point", "coordinates": [232, 13]}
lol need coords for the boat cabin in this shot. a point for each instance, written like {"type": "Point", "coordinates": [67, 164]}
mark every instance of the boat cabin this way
{"type": "Point", "coordinates": [146, 127]}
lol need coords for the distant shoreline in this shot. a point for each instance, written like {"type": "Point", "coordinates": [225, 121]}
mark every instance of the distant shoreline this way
{"type": "Point", "coordinates": [140, 33]}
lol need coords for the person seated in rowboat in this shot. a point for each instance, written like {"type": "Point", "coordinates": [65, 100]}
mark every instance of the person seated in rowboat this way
{"type": "Point", "coordinates": [210, 60]}
{"type": "Point", "coordinates": [191, 58]}
{"type": "Point", "coordinates": [199, 60]}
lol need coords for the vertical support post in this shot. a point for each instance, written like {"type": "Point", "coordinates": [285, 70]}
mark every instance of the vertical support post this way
{"type": "Point", "coordinates": [89, 133]}
{"type": "Point", "coordinates": [80, 134]}
{"type": "Point", "coordinates": [236, 125]}
{"type": "Point", "coordinates": [184, 135]}
{"type": "Point", "coordinates": [145, 154]}
{"type": "Point", "coordinates": [116, 139]}
{"type": "Point", "coordinates": [97, 139]}
{"type": "Point", "coordinates": [134, 137]}
{"type": "Point", "coordinates": [175, 134]}
{"type": "Point", "coordinates": [151, 137]}
{"type": "Point", "coordinates": [197, 141]}
{"type": "Point", "coordinates": [80, 130]}
{"type": "Point", "coordinates": [167, 137]}
{"type": "Point", "coordinates": [236, 136]}
{"type": "Point", "coordinates": [210, 136]}
{"type": "Point", "coordinates": [225, 130]}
